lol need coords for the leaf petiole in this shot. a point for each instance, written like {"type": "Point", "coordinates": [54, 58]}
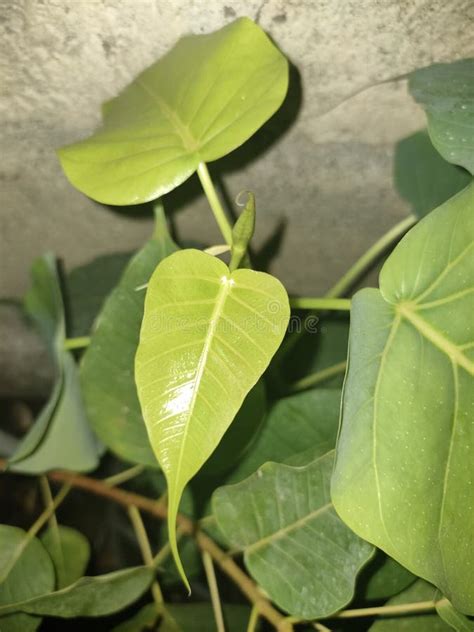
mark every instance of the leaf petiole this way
{"type": "Point", "coordinates": [214, 202]}
{"type": "Point", "coordinates": [77, 343]}
{"type": "Point", "coordinates": [337, 304]}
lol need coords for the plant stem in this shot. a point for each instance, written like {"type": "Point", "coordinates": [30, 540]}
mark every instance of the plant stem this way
{"type": "Point", "coordinates": [214, 590]}
{"type": "Point", "coordinates": [214, 202]}
{"type": "Point", "coordinates": [124, 476]}
{"type": "Point", "coordinates": [50, 509]}
{"type": "Point", "coordinates": [370, 256]}
{"type": "Point", "coordinates": [53, 522]}
{"type": "Point", "coordinates": [77, 343]}
{"type": "Point", "coordinates": [319, 376]}
{"type": "Point", "coordinates": [144, 544]}
{"type": "Point", "coordinates": [125, 498]}
{"type": "Point", "coordinates": [321, 303]}
{"type": "Point", "coordinates": [253, 620]}
{"type": "Point", "coordinates": [401, 609]}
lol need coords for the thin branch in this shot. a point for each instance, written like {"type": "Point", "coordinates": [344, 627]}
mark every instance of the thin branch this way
{"type": "Point", "coordinates": [124, 476]}
{"type": "Point", "coordinates": [319, 376]}
{"type": "Point", "coordinates": [323, 303]}
{"type": "Point", "coordinates": [253, 620]}
{"type": "Point", "coordinates": [77, 343]}
{"type": "Point", "coordinates": [214, 202]}
{"type": "Point", "coordinates": [401, 609]}
{"type": "Point", "coordinates": [214, 590]}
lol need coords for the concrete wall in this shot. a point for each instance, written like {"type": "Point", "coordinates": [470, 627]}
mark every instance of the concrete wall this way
{"type": "Point", "coordinates": [329, 176]}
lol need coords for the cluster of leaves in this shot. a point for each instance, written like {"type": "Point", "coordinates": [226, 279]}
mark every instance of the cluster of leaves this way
{"type": "Point", "coordinates": [173, 380]}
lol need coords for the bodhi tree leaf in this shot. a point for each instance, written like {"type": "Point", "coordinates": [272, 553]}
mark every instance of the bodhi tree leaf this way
{"type": "Point", "coordinates": [207, 336]}
{"type": "Point", "coordinates": [423, 177]}
{"type": "Point", "coordinates": [430, 622]}
{"type": "Point", "coordinates": [89, 596]}
{"type": "Point", "coordinates": [107, 367]}
{"type": "Point", "coordinates": [26, 571]}
{"type": "Point", "coordinates": [61, 436]}
{"type": "Point", "coordinates": [403, 478]}
{"type": "Point", "coordinates": [446, 91]}
{"type": "Point", "coordinates": [295, 546]}
{"type": "Point", "coordinates": [70, 552]}
{"type": "Point", "coordinates": [383, 577]}
{"type": "Point", "coordinates": [203, 99]}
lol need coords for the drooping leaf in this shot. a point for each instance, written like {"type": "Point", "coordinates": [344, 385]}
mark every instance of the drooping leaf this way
{"type": "Point", "coordinates": [61, 436]}
{"type": "Point", "coordinates": [403, 478]}
{"type": "Point", "coordinates": [446, 91]}
{"type": "Point", "coordinates": [207, 336]}
{"type": "Point", "coordinates": [295, 546]}
{"type": "Point", "coordinates": [26, 571]}
{"type": "Point", "coordinates": [107, 367]}
{"type": "Point", "coordinates": [70, 552]}
{"type": "Point", "coordinates": [453, 617]}
{"type": "Point", "coordinates": [423, 177]}
{"type": "Point", "coordinates": [203, 99]}
{"type": "Point", "coordinates": [383, 577]}
{"type": "Point", "coordinates": [430, 622]}
{"type": "Point", "coordinates": [89, 596]}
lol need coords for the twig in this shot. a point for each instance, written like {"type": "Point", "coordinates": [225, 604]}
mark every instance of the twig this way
{"type": "Point", "coordinates": [214, 590]}
{"type": "Point", "coordinates": [401, 609]}
{"type": "Point", "coordinates": [124, 476]}
{"type": "Point", "coordinates": [316, 378]}
{"type": "Point", "coordinates": [253, 620]}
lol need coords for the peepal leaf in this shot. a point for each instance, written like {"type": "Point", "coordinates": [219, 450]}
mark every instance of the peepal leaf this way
{"type": "Point", "coordinates": [383, 577]}
{"type": "Point", "coordinates": [404, 478]}
{"type": "Point", "coordinates": [70, 552]}
{"type": "Point", "coordinates": [203, 99]}
{"type": "Point", "coordinates": [446, 91]}
{"type": "Point", "coordinates": [107, 367]}
{"type": "Point", "coordinates": [207, 336]}
{"type": "Point", "coordinates": [89, 596]}
{"type": "Point", "coordinates": [60, 437]}
{"type": "Point", "coordinates": [295, 546]}
{"type": "Point", "coordinates": [26, 571]}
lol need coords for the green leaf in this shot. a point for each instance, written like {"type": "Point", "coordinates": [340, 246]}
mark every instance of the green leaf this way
{"type": "Point", "coordinates": [446, 91]}
{"type": "Point", "coordinates": [89, 596]}
{"type": "Point", "coordinates": [418, 592]}
{"type": "Point", "coordinates": [423, 177]}
{"type": "Point", "coordinates": [203, 99]}
{"type": "Point", "coordinates": [403, 478]}
{"type": "Point", "coordinates": [242, 232]}
{"type": "Point", "coordinates": [453, 618]}
{"type": "Point", "coordinates": [383, 577]}
{"type": "Point", "coordinates": [70, 552]}
{"type": "Point", "coordinates": [61, 437]}
{"type": "Point", "coordinates": [207, 336]}
{"type": "Point", "coordinates": [107, 367]}
{"type": "Point", "coordinates": [26, 571]}
{"type": "Point", "coordinates": [295, 546]}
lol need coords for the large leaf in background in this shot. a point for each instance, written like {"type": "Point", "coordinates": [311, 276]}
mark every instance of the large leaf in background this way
{"type": "Point", "coordinates": [430, 622]}
{"type": "Point", "coordinates": [203, 99]}
{"type": "Point", "coordinates": [70, 552]}
{"type": "Point", "coordinates": [295, 546]}
{"type": "Point", "coordinates": [423, 177]}
{"type": "Point", "coordinates": [89, 596]}
{"type": "Point", "coordinates": [404, 478]}
{"type": "Point", "coordinates": [206, 338]}
{"type": "Point", "coordinates": [26, 571]}
{"type": "Point", "coordinates": [61, 436]}
{"type": "Point", "coordinates": [107, 367]}
{"type": "Point", "coordinates": [383, 577]}
{"type": "Point", "coordinates": [446, 91]}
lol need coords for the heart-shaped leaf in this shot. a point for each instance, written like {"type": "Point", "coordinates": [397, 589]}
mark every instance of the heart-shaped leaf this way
{"type": "Point", "coordinates": [89, 596]}
{"type": "Point", "coordinates": [404, 478]}
{"type": "Point", "coordinates": [107, 367]}
{"type": "Point", "coordinates": [26, 571]}
{"type": "Point", "coordinates": [70, 552]}
{"type": "Point", "coordinates": [207, 336]}
{"type": "Point", "coordinates": [295, 546]}
{"type": "Point", "coordinates": [203, 99]}
{"type": "Point", "coordinates": [446, 91]}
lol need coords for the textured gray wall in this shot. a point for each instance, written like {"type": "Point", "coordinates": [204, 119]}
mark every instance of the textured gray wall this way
{"type": "Point", "coordinates": [329, 175]}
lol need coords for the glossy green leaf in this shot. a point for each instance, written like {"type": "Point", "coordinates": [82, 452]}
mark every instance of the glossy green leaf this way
{"type": "Point", "coordinates": [26, 571]}
{"type": "Point", "coordinates": [206, 338]}
{"type": "Point", "coordinates": [446, 91]}
{"type": "Point", "coordinates": [418, 592]}
{"type": "Point", "coordinates": [404, 478]}
{"type": "Point", "coordinates": [107, 367]}
{"type": "Point", "coordinates": [453, 617]}
{"type": "Point", "coordinates": [383, 577]}
{"type": "Point", "coordinates": [423, 177]}
{"type": "Point", "coordinates": [203, 99]}
{"type": "Point", "coordinates": [89, 596]}
{"type": "Point", "coordinates": [60, 437]}
{"type": "Point", "coordinates": [295, 546]}
{"type": "Point", "coordinates": [70, 552]}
